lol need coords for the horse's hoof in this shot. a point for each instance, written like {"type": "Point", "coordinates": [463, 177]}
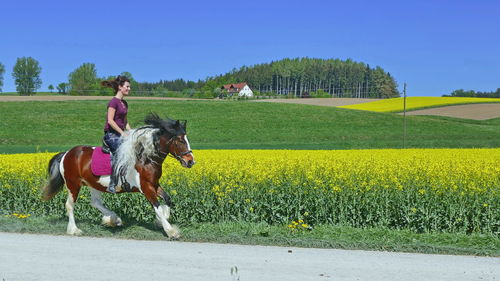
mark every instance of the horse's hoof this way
{"type": "Point", "coordinates": [75, 231]}
{"type": "Point", "coordinates": [174, 233]}
{"type": "Point", "coordinates": [112, 221]}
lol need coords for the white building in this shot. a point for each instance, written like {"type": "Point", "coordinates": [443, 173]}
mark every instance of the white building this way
{"type": "Point", "coordinates": [241, 89]}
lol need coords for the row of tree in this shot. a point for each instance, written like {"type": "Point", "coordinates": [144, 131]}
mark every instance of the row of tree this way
{"type": "Point", "coordinates": [292, 77]}
{"type": "Point", "coordinates": [474, 94]}
{"type": "Point", "coordinates": [83, 81]}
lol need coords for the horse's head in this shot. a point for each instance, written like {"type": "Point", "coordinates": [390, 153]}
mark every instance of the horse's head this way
{"type": "Point", "coordinates": [173, 139]}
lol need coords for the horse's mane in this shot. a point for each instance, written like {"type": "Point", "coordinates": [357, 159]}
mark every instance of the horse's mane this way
{"type": "Point", "coordinates": [143, 144]}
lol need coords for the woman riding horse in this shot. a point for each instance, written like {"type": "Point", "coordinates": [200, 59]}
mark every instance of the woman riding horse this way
{"type": "Point", "coordinates": [140, 156]}
{"type": "Point", "coordinates": [116, 120]}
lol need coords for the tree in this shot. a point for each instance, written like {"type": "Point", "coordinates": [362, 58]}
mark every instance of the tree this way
{"type": "Point", "coordinates": [61, 88]}
{"type": "Point", "coordinates": [2, 71]}
{"type": "Point", "coordinates": [26, 74]}
{"type": "Point", "coordinates": [83, 80]}
{"type": "Point", "coordinates": [51, 88]}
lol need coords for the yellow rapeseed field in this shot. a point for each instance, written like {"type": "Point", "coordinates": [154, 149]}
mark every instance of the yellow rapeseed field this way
{"type": "Point", "coordinates": [396, 104]}
{"type": "Point", "coordinates": [455, 190]}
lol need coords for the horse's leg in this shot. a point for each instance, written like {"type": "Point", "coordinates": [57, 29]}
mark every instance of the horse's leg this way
{"type": "Point", "coordinates": [165, 208]}
{"type": "Point", "coordinates": [108, 217]}
{"type": "Point", "coordinates": [74, 189]}
{"type": "Point", "coordinates": [149, 191]}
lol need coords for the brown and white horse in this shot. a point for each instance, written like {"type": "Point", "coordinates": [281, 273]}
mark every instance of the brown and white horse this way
{"type": "Point", "coordinates": [139, 160]}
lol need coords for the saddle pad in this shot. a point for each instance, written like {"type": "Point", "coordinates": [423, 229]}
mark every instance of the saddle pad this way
{"type": "Point", "coordinates": [101, 162]}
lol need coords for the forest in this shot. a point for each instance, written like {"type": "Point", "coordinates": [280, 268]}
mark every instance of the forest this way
{"type": "Point", "coordinates": [294, 77]}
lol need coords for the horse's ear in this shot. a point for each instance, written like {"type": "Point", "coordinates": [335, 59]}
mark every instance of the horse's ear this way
{"type": "Point", "coordinates": [152, 119]}
{"type": "Point", "coordinates": [184, 124]}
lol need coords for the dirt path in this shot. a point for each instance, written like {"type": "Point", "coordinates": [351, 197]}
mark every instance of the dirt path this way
{"type": "Point", "coordinates": [44, 257]}
{"type": "Point", "coordinates": [311, 101]}
{"type": "Point", "coordinates": [479, 111]}
{"type": "Point", "coordinates": [74, 98]}
{"type": "Point", "coordinates": [320, 101]}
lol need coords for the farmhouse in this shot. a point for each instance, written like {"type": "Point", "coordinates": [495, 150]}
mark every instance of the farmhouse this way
{"type": "Point", "coordinates": [241, 89]}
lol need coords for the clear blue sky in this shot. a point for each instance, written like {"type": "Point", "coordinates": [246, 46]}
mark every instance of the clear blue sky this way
{"type": "Point", "coordinates": [434, 46]}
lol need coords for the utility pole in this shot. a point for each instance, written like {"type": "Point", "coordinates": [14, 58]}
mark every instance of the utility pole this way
{"type": "Point", "coordinates": [404, 116]}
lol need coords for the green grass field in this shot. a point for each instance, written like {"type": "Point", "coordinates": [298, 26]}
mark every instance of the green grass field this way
{"type": "Point", "coordinates": [415, 103]}
{"type": "Point", "coordinates": [53, 126]}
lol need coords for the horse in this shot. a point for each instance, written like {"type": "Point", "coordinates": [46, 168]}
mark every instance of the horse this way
{"type": "Point", "coordinates": [139, 161]}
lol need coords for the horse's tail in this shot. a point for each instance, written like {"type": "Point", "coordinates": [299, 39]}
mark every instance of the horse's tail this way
{"type": "Point", "coordinates": [56, 181]}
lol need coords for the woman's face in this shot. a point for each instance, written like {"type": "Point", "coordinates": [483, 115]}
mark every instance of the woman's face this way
{"type": "Point", "coordinates": [125, 89]}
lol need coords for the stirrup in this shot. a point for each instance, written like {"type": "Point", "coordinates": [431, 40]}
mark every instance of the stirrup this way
{"type": "Point", "coordinates": [126, 187]}
{"type": "Point", "coordinates": [111, 189]}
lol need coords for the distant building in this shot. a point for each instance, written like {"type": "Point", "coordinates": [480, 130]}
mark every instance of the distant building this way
{"type": "Point", "coordinates": [241, 89]}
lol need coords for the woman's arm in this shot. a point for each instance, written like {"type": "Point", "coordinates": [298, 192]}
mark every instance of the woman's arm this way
{"type": "Point", "coordinates": [111, 121]}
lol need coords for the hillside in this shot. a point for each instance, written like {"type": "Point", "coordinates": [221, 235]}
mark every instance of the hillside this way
{"type": "Point", "coordinates": [223, 124]}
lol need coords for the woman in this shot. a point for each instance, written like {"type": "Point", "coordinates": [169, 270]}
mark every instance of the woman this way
{"type": "Point", "coordinates": [116, 120]}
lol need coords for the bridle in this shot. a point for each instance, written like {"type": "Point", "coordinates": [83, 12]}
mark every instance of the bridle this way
{"type": "Point", "coordinates": [178, 157]}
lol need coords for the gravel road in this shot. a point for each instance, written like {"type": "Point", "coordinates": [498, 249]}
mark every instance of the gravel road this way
{"type": "Point", "coordinates": [44, 257]}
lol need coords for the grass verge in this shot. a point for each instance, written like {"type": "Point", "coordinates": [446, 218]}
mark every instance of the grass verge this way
{"type": "Point", "coordinates": [321, 236]}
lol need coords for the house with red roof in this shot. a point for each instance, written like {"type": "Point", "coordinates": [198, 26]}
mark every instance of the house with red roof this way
{"type": "Point", "coordinates": [241, 89]}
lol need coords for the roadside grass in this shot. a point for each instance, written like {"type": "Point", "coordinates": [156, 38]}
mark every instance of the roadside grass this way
{"type": "Point", "coordinates": [416, 103]}
{"type": "Point", "coordinates": [52, 126]}
{"type": "Point", "coordinates": [236, 232]}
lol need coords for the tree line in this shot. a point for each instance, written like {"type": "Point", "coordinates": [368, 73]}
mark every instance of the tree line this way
{"type": "Point", "coordinates": [474, 94]}
{"type": "Point", "coordinates": [293, 77]}
{"type": "Point", "coordinates": [290, 77]}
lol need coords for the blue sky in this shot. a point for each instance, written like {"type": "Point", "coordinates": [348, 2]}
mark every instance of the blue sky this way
{"type": "Point", "coordinates": [434, 46]}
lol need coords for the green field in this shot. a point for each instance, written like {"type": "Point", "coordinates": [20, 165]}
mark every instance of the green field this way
{"type": "Point", "coordinates": [54, 126]}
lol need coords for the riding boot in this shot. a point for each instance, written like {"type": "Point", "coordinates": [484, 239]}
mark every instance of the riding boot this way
{"type": "Point", "coordinates": [113, 181]}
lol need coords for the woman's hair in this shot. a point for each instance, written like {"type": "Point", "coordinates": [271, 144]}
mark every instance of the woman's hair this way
{"type": "Point", "coordinates": [115, 83]}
